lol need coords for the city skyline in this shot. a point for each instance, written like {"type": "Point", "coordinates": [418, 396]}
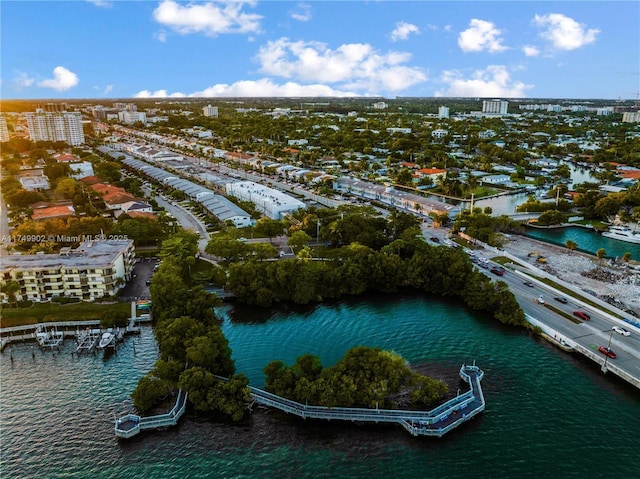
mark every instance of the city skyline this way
{"type": "Point", "coordinates": [162, 49]}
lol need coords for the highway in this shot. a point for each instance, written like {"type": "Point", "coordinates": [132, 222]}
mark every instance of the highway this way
{"type": "Point", "coordinates": [591, 334]}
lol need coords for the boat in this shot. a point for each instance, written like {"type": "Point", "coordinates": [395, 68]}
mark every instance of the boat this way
{"type": "Point", "coordinates": [107, 338]}
{"type": "Point", "coordinates": [622, 233]}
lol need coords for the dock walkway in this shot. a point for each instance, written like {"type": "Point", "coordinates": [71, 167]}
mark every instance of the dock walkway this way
{"type": "Point", "coordinates": [435, 422]}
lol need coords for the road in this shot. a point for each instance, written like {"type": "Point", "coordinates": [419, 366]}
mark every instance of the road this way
{"type": "Point", "coordinates": [591, 334]}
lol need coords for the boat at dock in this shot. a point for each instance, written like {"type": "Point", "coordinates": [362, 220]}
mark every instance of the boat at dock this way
{"type": "Point", "coordinates": [108, 339]}
{"type": "Point", "coordinates": [622, 233]}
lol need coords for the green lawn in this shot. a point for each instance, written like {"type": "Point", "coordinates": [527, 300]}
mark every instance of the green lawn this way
{"type": "Point", "coordinates": [48, 312]}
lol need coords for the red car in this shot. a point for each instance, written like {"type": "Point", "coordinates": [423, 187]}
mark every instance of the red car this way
{"type": "Point", "coordinates": [607, 352]}
{"type": "Point", "coordinates": [582, 315]}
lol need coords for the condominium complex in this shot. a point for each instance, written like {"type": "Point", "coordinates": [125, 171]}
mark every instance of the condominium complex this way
{"type": "Point", "coordinates": [131, 117]}
{"type": "Point", "coordinates": [55, 126]}
{"type": "Point", "coordinates": [93, 270]}
{"type": "Point", "coordinates": [268, 201]}
{"type": "Point", "coordinates": [4, 131]}
{"type": "Point", "coordinates": [495, 107]}
{"type": "Point", "coordinates": [443, 112]}
{"type": "Point", "coordinates": [210, 111]}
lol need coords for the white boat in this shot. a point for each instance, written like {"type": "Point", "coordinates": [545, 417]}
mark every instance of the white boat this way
{"type": "Point", "coordinates": [106, 339]}
{"type": "Point", "coordinates": [623, 233]}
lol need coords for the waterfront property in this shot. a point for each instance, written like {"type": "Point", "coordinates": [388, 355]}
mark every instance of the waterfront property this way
{"type": "Point", "coordinates": [93, 270]}
{"type": "Point", "coordinates": [436, 422]}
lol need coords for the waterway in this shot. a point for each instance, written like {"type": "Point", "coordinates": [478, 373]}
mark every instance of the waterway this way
{"type": "Point", "coordinates": [549, 414]}
{"type": "Point", "coordinates": [587, 240]}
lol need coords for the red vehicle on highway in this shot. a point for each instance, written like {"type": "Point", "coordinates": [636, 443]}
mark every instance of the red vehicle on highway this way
{"type": "Point", "coordinates": [607, 352]}
{"type": "Point", "coordinates": [582, 315]}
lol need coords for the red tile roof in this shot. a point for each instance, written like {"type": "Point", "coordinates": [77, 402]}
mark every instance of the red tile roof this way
{"type": "Point", "coordinates": [52, 212]}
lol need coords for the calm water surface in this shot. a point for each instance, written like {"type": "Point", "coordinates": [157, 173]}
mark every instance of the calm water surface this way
{"type": "Point", "coordinates": [549, 414]}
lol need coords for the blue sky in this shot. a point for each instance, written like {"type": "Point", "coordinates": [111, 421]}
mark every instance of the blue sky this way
{"type": "Point", "coordinates": [169, 48]}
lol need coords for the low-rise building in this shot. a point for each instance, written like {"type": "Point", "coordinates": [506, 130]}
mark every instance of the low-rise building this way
{"type": "Point", "coordinates": [93, 270]}
{"type": "Point", "coordinates": [268, 201]}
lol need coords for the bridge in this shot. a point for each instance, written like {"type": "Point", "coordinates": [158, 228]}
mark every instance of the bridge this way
{"type": "Point", "coordinates": [435, 422]}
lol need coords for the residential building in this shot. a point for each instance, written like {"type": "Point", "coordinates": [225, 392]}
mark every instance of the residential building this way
{"type": "Point", "coordinates": [93, 270]}
{"type": "Point", "coordinates": [131, 117]}
{"type": "Point", "coordinates": [443, 112]}
{"type": "Point", "coordinates": [439, 133]}
{"type": "Point", "coordinates": [390, 196]}
{"type": "Point", "coordinates": [627, 117]}
{"type": "Point", "coordinates": [55, 126]}
{"type": "Point", "coordinates": [210, 111]}
{"type": "Point", "coordinates": [495, 107]}
{"type": "Point", "coordinates": [4, 131]}
{"type": "Point", "coordinates": [268, 201]}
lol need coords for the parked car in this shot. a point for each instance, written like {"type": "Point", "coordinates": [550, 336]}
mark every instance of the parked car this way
{"type": "Point", "coordinates": [561, 299]}
{"type": "Point", "coordinates": [620, 330]}
{"type": "Point", "coordinates": [435, 239]}
{"type": "Point", "coordinates": [607, 352]}
{"type": "Point", "coordinates": [582, 315]}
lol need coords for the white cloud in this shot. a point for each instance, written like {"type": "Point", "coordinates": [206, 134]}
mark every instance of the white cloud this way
{"type": "Point", "coordinates": [481, 35]}
{"type": "Point", "coordinates": [302, 12]}
{"type": "Point", "coordinates": [161, 36]}
{"type": "Point", "coordinates": [355, 65]}
{"type": "Point", "coordinates": [101, 3]}
{"type": "Point", "coordinates": [447, 28]}
{"type": "Point", "coordinates": [211, 18]}
{"type": "Point", "coordinates": [564, 32]}
{"type": "Point", "coordinates": [158, 94]}
{"type": "Point", "coordinates": [494, 81]}
{"type": "Point", "coordinates": [22, 80]}
{"type": "Point", "coordinates": [259, 88]}
{"type": "Point", "coordinates": [531, 51]}
{"type": "Point", "coordinates": [107, 89]}
{"type": "Point", "coordinates": [62, 80]}
{"type": "Point", "coordinates": [403, 30]}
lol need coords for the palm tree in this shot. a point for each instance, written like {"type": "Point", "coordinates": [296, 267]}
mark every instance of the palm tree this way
{"type": "Point", "coordinates": [571, 246]}
{"type": "Point", "coordinates": [600, 254]}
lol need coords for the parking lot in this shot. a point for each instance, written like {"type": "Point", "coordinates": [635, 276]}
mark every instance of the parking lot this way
{"type": "Point", "coordinates": [137, 286]}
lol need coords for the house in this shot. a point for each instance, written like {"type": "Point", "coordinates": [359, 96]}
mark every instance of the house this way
{"type": "Point", "coordinates": [496, 179]}
{"type": "Point", "coordinates": [434, 173]}
{"type": "Point", "coordinates": [49, 212]}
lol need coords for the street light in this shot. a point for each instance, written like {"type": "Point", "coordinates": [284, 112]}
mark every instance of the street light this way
{"type": "Point", "coordinates": [606, 356]}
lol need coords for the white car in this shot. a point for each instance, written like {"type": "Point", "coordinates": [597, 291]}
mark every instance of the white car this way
{"type": "Point", "coordinates": [620, 330]}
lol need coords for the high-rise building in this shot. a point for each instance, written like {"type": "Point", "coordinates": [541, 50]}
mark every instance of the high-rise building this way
{"type": "Point", "coordinates": [210, 111]}
{"type": "Point", "coordinates": [443, 112]}
{"type": "Point", "coordinates": [495, 107]}
{"type": "Point", "coordinates": [4, 131]}
{"type": "Point", "coordinates": [62, 126]}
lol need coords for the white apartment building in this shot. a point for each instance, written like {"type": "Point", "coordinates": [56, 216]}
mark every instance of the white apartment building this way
{"type": "Point", "coordinates": [93, 270]}
{"type": "Point", "coordinates": [631, 117]}
{"type": "Point", "coordinates": [210, 111]}
{"type": "Point", "coordinates": [380, 105]}
{"type": "Point", "coordinates": [131, 117]}
{"type": "Point", "coordinates": [4, 131]}
{"type": "Point", "coordinates": [269, 202]}
{"type": "Point", "coordinates": [495, 107]}
{"type": "Point", "coordinates": [52, 126]}
{"type": "Point", "coordinates": [443, 112]}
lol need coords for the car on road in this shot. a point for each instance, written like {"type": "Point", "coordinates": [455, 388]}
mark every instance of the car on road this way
{"type": "Point", "coordinates": [561, 299]}
{"type": "Point", "coordinates": [607, 352]}
{"type": "Point", "coordinates": [540, 300]}
{"type": "Point", "coordinates": [499, 270]}
{"type": "Point", "coordinates": [528, 283]}
{"type": "Point", "coordinates": [620, 330]}
{"type": "Point", "coordinates": [582, 315]}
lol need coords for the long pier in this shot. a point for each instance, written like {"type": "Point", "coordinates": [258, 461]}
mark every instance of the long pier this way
{"type": "Point", "coordinates": [435, 422]}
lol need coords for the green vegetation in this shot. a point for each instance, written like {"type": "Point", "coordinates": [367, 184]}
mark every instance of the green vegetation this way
{"type": "Point", "coordinates": [193, 349]}
{"type": "Point", "coordinates": [485, 227]}
{"type": "Point", "coordinates": [50, 312]}
{"type": "Point", "coordinates": [365, 377]}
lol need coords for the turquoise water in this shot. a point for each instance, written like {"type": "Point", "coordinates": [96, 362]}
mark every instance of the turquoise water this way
{"type": "Point", "coordinates": [549, 414]}
{"type": "Point", "coordinates": [587, 240]}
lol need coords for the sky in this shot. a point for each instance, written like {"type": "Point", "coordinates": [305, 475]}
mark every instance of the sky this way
{"type": "Point", "coordinates": [170, 48]}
